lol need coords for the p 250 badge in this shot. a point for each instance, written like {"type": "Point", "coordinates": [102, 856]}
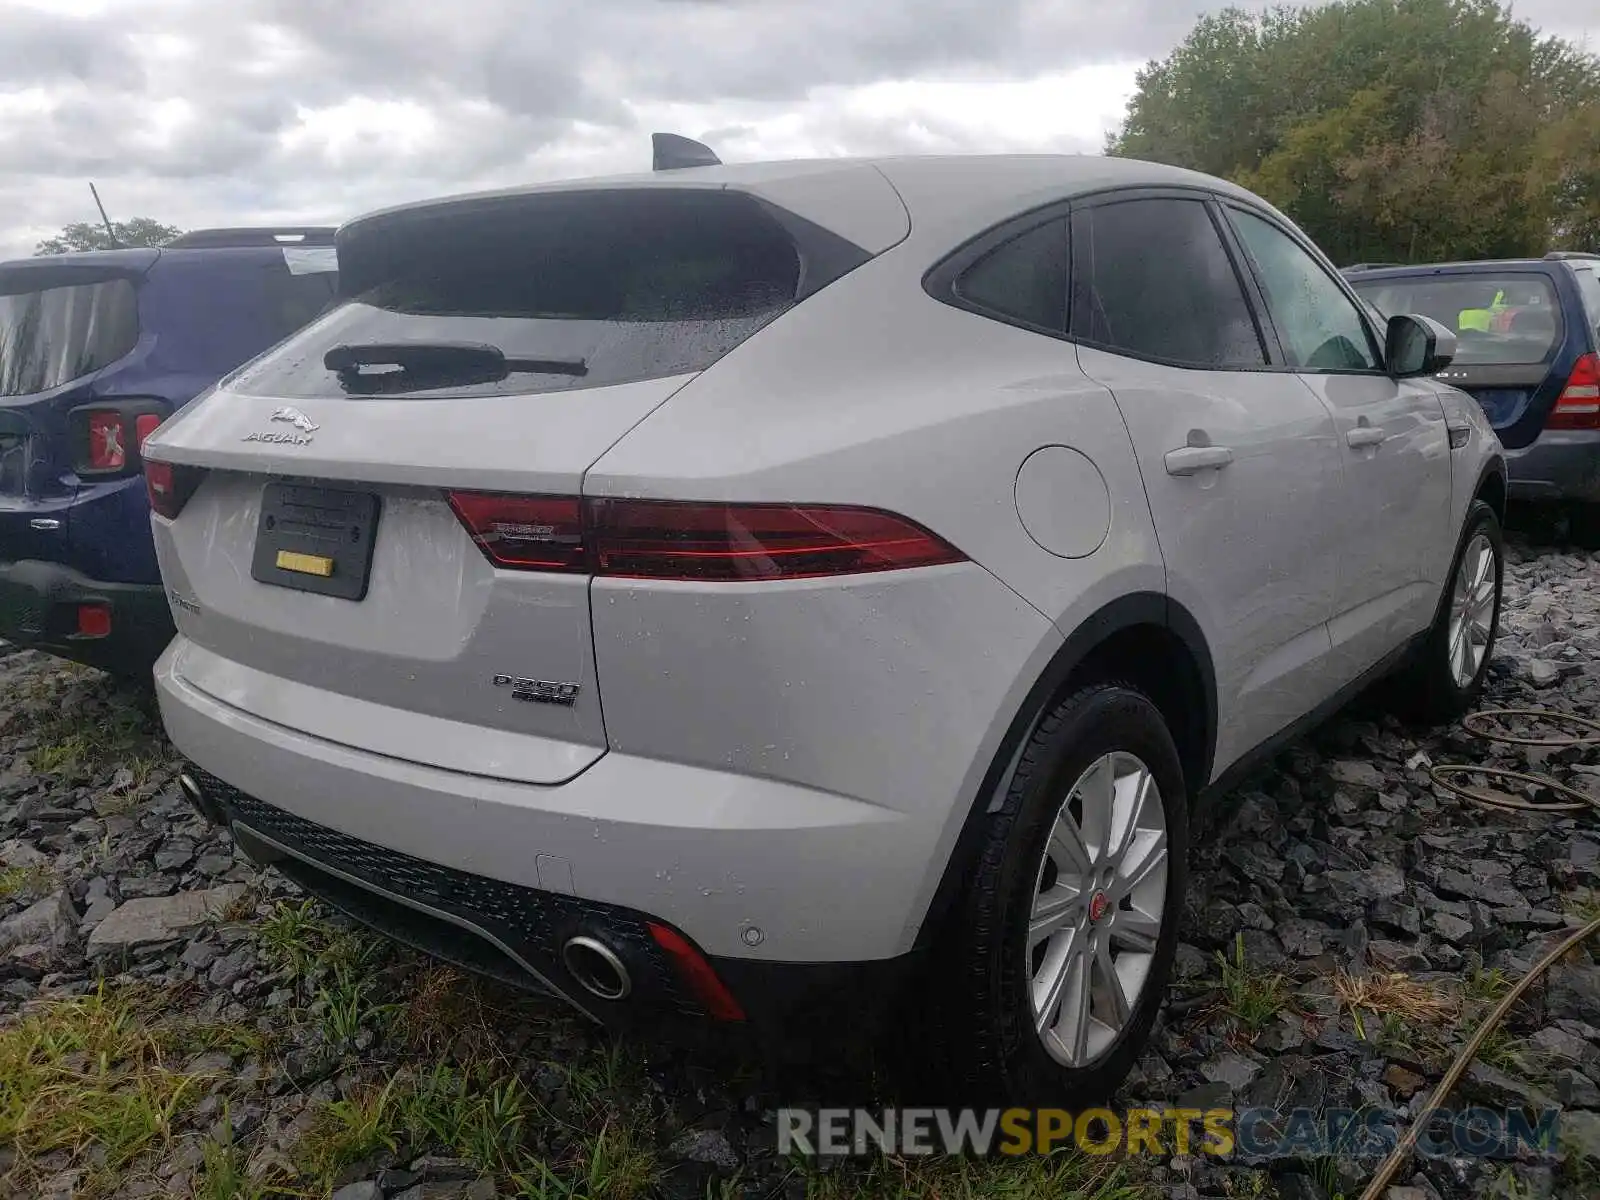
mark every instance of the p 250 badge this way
{"type": "Point", "coordinates": [539, 691]}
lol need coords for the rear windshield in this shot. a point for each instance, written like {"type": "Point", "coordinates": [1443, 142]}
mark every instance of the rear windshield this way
{"type": "Point", "coordinates": [51, 336]}
{"type": "Point", "coordinates": [1505, 318]}
{"type": "Point", "coordinates": [618, 287]}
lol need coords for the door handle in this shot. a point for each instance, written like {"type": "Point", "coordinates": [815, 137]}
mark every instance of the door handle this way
{"type": "Point", "coordinates": [1364, 435]}
{"type": "Point", "coordinates": [1189, 460]}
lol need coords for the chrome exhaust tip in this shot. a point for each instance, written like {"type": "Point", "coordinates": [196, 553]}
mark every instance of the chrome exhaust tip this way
{"type": "Point", "coordinates": [596, 968]}
{"type": "Point", "coordinates": [196, 796]}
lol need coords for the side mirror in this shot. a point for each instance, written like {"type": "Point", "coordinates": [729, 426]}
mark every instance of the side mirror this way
{"type": "Point", "coordinates": [1416, 345]}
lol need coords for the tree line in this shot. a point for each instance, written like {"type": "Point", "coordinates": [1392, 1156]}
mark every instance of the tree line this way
{"type": "Point", "coordinates": [1390, 130]}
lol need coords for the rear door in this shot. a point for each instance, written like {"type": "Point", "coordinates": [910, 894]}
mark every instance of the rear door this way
{"type": "Point", "coordinates": [62, 322]}
{"type": "Point", "coordinates": [1511, 336]}
{"type": "Point", "coordinates": [1395, 540]}
{"type": "Point", "coordinates": [382, 544]}
{"type": "Point", "coordinates": [1239, 460]}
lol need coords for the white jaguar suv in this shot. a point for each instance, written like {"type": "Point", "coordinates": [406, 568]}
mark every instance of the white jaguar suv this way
{"type": "Point", "coordinates": [759, 597]}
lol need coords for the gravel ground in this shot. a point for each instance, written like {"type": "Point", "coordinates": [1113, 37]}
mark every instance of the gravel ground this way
{"type": "Point", "coordinates": [1347, 922]}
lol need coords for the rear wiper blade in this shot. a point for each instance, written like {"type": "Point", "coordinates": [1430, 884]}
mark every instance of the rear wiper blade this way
{"type": "Point", "coordinates": [473, 362]}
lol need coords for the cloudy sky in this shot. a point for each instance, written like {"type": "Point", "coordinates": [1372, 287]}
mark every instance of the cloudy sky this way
{"type": "Point", "coordinates": [201, 112]}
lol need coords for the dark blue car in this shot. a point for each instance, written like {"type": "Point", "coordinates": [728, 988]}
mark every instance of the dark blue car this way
{"type": "Point", "coordinates": [96, 349]}
{"type": "Point", "coordinates": [1528, 349]}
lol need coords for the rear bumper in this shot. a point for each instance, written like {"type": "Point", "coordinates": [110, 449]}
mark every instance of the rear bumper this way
{"type": "Point", "coordinates": [39, 603]}
{"type": "Point", "coordinates": [785, 892]}
{"type": "Point", "coordinates": [1560, 465]}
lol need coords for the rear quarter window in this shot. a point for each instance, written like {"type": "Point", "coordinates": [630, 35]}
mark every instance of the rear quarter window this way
{"type": "Point", "coordinates": [1589, 293]}
{"type": "Point", "coordinates": [1500, 318]}
{"type": "Point", "coordinates": [52, 336]}
{"type": "Point", "coordinates": [633, 284]}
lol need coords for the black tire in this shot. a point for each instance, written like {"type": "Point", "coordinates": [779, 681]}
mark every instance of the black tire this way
{"type": "Point", "coordinates": [1426, 692]}
{"type": "Point", "coordinates": [1583, 525]}
{"type": "Point", "coordinates": [986, 1014]}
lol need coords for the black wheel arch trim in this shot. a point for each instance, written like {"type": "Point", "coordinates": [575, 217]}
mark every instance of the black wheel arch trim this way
{"type": "Point", "coordinates": [1125, 612]}
{"type": "Point", "coordinates": [1494, 468]}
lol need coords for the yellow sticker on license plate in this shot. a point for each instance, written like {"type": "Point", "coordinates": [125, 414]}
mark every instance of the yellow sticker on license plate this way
{"type": "Point", "coordinates": [305, 564]}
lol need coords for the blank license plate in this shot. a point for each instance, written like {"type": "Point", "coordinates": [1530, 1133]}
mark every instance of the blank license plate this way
{"type": "Point", "coordinates": [316, 539]}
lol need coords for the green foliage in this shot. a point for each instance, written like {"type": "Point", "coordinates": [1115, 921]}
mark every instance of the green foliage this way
{"type": "Point", "coordinates": [91, 235]}
{"type": "Point", "coordinates": [1391, 130]}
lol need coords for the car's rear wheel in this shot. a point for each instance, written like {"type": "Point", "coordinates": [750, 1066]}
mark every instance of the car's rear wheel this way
{"type": "Point", "coordinates": [1448, 672]}
{"type": "Point", "coordinates": [1065, 937]}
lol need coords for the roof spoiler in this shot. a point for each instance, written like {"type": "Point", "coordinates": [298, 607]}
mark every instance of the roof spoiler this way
{"type": "Point", "coordinates": [1374, 266]}
{"type": "Point", "coordinates": [670, 152]}
{"type": "Point", "coordinates": [211, 239]}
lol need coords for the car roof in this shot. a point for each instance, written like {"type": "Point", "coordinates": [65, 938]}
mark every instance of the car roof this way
{"type": "Point", "coordinates": [935, 189]}
{"type": "Point", "coordinates": [136, 260]}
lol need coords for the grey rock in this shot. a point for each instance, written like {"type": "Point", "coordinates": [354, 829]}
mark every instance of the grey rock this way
{"type": "Point", "coordinates": [709, 1146]}
{"type": "Point", "coordinates": [1235, 1070]}
{"type": "Point", "coordinates": [366, 1190]}
{"type": "Point", "coordinates": [1574, 993]}
{"type": "Point", "coordinates": [135, 887]}
{"type": "Point", "coordinates": [1502, 1089]}
{"type": "Point", "coordinates": [156, 919]}
{"type": "Point", "coordinates": [1451, 929]}
{"type": "Point", "coordinates": [213, 864]}
{"type": "Point", "coordinates": [98, 910]}
{"type": "Point", "coordinates": [50, 922]}
{"type": "Point", "coordinates": [232, 967]}
{"type": "Point", "coordinates": [199, 955]}
{"type": "Point", "coordinates": [1357, 773]}
{"type": "Point", "coordinates": [175, 854]}
{"type": "Point", "coordinates": [1542, 673]}
{"type": "Point", "coordinates": [1575, 1089]}
{"type": "Point", "coordinates": [1560, 1046]}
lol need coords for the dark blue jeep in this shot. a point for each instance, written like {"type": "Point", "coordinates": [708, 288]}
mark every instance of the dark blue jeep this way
{"type": "Point", "coordinates": [96, 349]}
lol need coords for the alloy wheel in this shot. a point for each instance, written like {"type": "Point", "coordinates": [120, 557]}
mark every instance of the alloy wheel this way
{"type": "Point", "coordinates": [1472, 609]}
{"type": "Point", "coordinates": [1099, 899]}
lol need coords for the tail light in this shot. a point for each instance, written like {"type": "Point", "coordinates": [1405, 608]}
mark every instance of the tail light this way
{"type": "Point", "coordinates": [1579, 404]}
{"type": "Point", "coordinates": [170, 486]}
{"type": "Point", "coordinates": [663, 539]}
{"type": "Point", "coordinates": [110, 436]}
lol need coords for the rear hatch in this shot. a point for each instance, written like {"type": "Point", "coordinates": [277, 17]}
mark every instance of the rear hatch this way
{"type": "Point", "coordinates": [322, 567]}
{"type": "Point", "coordinates": [1511, 337]}
{"type": "Point", "coordinates": [63, 321]}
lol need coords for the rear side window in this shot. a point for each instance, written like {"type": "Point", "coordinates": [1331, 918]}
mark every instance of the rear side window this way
{"type": "Point", "coordinates": [1498, 318]}
{"type": "Point", "coordinates": [574, 290]}
{"type": "Point", "coordinates": [1154, 280]}
{"type": "Point", "coordinates": [295, 300]}
{"type": "Point", "coordinates": [52, 336]}
{"type": "Point", "coordinates": [1589, 291]}
{"type": "Point", "coordinates": [1024, 279]}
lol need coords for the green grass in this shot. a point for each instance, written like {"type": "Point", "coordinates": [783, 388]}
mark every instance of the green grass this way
{"type": "Point", "coordinates": [1583, 904]}
{"type": "Point", "coordinates": [1048, 1177]}
{"type": "Point", "coordinates": [88, 1074]}
{"type": "Point", "coordinates": [29, 881]}
{"type": "Point", "coordinates": [1250, 995]}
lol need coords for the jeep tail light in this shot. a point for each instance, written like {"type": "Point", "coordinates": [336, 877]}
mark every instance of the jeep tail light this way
{"type": "Point", "coordinates": [170, 486]}
{"type": "Point", "coordinates": [667, 539]}
{"type": "Point", "coordinates": [107, 450]}
{"type": "Point", "coordinates": [109, 436]}
{"type": "Point", "coordinates": [1579, 404]}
